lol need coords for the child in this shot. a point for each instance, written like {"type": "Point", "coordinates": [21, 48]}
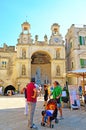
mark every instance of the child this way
{"type": "Point", "coordinates": [50, 113]}
{"type": "Point", "coordinates": [46, 115]}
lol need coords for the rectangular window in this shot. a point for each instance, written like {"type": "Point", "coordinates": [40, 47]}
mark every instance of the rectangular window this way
{"type": "Point", "coordinates": [82, 40]}
{"type": "Point", "coordinates": [83, 63]}
{"type": "Point", "coordinates": [4, 64]}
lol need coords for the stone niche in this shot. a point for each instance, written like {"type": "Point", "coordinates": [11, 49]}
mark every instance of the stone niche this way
{"type": "Point", "coordinates": [41, 71]}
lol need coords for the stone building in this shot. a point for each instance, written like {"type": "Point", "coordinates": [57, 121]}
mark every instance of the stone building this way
{"type": "Point", "coordinates": [44, 60]}
{"type": "Point", "coordinates": [75, 50]}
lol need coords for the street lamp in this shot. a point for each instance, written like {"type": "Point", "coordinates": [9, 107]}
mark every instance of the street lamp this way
{"type": "Point", "coordinates": [18, 86]}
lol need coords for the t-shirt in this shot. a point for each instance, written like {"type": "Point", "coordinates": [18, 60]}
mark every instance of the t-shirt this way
{"type": "Point", "coordinates": [30, 92]}
{"type": "Point", "coordinates": [49, 112]}
{"type": "Point", "coordinates": [57, 91]}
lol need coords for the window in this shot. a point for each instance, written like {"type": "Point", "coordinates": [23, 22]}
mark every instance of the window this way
{"type": "Point", "coordinates": [82, 40]}
{"type": "Point", "coordinates": [83, 63]}
{"type": "Point", "coordinates": [4, 64]}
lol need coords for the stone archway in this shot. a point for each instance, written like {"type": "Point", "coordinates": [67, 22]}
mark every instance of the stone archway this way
{"type": "Point", "coordinates": [9, 87]}
{"type": "Point", "coordinates": [41, 67]}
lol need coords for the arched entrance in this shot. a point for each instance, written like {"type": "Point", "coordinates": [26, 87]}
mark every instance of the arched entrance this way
{"type": "Point", "coordinates": [10, 87]}
{"type": "Point", "coordinates": [41, 67]}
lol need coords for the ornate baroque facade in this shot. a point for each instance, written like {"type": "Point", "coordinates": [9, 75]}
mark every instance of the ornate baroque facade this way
{"type": "Point", "coordinates": [44, 60]}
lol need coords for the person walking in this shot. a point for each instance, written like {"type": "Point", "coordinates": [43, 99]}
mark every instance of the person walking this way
{"type": "Point", "coordinates": [45, 95]}
{"type": "Point", "coordinates": [57, 93]}
{"type": "Point", "coordinates": [31, 99]}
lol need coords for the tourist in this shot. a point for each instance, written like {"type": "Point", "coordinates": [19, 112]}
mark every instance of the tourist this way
{"type": "Point", "coordinates": [40, 90]}
{"type": "Point", "coordinates": [45, 95]}
{"type": "Point", "coordinates": [57, 93]}
{"type": "Point", "coordinates": [26, 104]}
{"type": "Point", "coordinates": [31, 99]}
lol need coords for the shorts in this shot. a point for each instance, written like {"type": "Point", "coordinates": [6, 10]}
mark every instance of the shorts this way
{"type": "Point", "coordinates": [85, 101]}
{"type": "Point", "coordinates": [59, 105]}
{"type": "Point", "coordinates": [45, 98]}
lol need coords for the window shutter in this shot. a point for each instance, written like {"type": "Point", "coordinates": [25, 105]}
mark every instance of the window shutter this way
{"type": "Point", "coordinates": [82, 63]}
{"type": "Point", "coordinates": [80, 40]}
{"type": "Point", "coordinates": [83, 40]}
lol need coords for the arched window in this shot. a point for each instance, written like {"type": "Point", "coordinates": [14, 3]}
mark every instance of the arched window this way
{"type": "Point", "coordinates": [58, 70]}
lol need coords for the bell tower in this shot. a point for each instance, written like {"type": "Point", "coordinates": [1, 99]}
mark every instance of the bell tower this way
{"type": "Point", "coordinates": [25, 28]}
{"type": "Point", "coordinates": [23, 59]}
{"type": "Point", "coordinates": [25, 36]}
{"type": "Point", "coordinates": [56, 37]}
{"type": "Point", "coordinates": [55, 29]}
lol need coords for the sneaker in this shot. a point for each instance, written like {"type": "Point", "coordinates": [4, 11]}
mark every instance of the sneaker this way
{"type": "Point", "coordinates": [61, 117]}
{"type": "Point", "coordinates": [42, 124]}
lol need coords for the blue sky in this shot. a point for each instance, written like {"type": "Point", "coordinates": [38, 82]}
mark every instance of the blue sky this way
{"type": "Point", "coordinates": [41, 14]}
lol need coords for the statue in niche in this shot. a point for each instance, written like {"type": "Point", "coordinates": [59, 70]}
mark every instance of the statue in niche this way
{"type": "Point", "coordinates": [23, 54]}
{"type": "Point", "coordinates": [45, 38]}
{"type": "Point", "coordinates": [57, 71]}
{"type": "Point", "coordinates": [38, 76]}
{"type": "Point", "coordinates": [36, 38]}
{"type": "Point", "coordinates": [23, 70]}
{"type": "Point", "coordinates": [57, 54]}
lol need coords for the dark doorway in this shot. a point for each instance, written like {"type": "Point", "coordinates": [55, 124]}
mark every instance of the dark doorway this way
{"type": "Point", "coordinates": [10, 87]}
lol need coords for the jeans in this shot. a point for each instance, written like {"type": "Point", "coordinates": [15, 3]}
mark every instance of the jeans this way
{"type": "Point", "coordinates": [31, 106]}
{"type": "Point", "coordinates": [26, 108]}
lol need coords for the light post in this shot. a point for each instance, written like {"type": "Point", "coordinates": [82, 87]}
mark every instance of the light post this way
{"type": "Point", "coordinates": [18, 86]}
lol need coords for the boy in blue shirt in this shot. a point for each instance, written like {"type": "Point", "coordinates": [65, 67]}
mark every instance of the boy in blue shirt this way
{"type": "Point", "coordinates": [46, 117]}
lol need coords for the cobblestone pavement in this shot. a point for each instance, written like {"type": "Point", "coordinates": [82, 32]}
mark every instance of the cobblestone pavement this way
{"type": "Point", "coordinates": [12, 116]}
